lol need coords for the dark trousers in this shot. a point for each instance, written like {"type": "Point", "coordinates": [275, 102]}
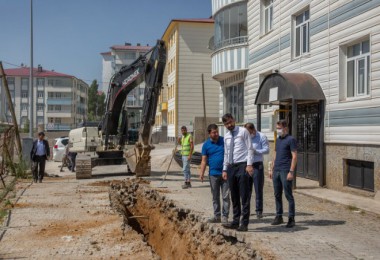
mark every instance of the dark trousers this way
{"type": "Point", "coordinates": [258, 182]}
{"type": "Point", "coordinates": [281, 183]}
{"type": "Point", "coordinates": [39, 167]}
{"type": "Point", "coordinates": [239, 182]}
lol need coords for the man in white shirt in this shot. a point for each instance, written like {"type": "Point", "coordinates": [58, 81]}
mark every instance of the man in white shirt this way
{"type": "Point", "coordinates": [237, 168]}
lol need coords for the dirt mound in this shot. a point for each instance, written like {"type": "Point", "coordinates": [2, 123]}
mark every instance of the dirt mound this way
{"type": "Point", "coordinates": [174, 233]}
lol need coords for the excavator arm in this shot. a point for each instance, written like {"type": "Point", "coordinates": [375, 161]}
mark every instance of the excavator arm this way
{"type": "Point", "coordinates": [149, 68]}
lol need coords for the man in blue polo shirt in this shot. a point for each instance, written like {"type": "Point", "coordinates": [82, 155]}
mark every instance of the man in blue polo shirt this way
{"type": "Point", "coordinates": [213, 155]}
{"type": "Point", "coordinates": [285, 161]}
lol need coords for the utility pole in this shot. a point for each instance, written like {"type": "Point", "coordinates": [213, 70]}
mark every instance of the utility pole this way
{"type": "Point", "coordinates": [31, 121]}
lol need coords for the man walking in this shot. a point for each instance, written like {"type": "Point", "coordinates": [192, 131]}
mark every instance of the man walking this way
{"type": "Point", "coordinates": [285, 160]}
{"type": "Point", "coordinates": [260, 147]}
{"type": "Point", "coordinates": [213, 155]}
{"type": "Point", "coordinates": [186, 141]}
{"type": "Point", "coordinates": [237, 164]}
{"type": "Point", "coordinates": [39, 154]}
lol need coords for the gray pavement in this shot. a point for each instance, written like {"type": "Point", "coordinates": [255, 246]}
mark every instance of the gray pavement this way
{"type": "Point", "coordinates": [329, 224]}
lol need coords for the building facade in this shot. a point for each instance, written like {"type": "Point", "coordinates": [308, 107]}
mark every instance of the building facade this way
{"type": "Point", "coordinates": [189, 90]}
{"type": "Point", "coordinates": [60, 100]}
{"type": "Point", "coordinates": [230, 56]}
{"type": "Point", "coordinates": [316, 64]}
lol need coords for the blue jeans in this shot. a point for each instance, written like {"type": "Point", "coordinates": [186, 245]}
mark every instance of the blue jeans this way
{"type": "Point", "coordinates": [240, 189]}
{"type": "Point", "coordinates": [217, 184]}
{"type": "Point", "coordinates": [258, 183]}
{"type": "Point", "coordinates": [186, 167]}
{"type": "Point", "coordinates": [281, 183]}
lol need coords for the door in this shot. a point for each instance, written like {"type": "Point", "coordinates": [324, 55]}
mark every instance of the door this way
{"type": "Point", "coordinates": [308, 125]}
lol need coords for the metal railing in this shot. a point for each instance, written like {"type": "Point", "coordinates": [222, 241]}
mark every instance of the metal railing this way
{"type": "Point", "coordinates": [229, 42]}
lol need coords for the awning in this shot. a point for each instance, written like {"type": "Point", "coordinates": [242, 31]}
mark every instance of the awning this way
{"type": "Point", "coordinates": [280, 88]}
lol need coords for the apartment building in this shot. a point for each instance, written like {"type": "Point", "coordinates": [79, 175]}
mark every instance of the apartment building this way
{"type": "Point", "coordinates": [60, 100]}
{"type": "Point", "coordinates": [316, 64]}
{"type": "Point", "coordinates": [189, 93]}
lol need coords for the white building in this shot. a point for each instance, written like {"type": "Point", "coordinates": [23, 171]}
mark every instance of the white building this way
{"type": "Point", "coordinates": [60, 100]}
{"type": "Point", "coordinates": [188, 59]}
{"type": "Point", "coordinates": [317, 61]}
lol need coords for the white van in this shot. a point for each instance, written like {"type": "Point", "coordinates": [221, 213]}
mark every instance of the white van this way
{"type": "Point", "coordinates": [84, 139]}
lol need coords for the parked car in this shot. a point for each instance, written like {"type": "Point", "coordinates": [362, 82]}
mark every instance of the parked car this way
{"type": "Point", "coordinates": [59, 148]}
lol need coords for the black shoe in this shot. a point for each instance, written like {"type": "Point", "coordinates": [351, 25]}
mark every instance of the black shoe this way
{"type": "Point", "coordinates": [214, 220]}
{"type": "Point", "coordinates": [259, 215]}
{"type": "Point", "coordinates": [242, 228]}
{"type": "Point", "coordinates": [230, 225]}
{"type": "Point", "coordinates": [40, 181]}
{"type": "Point", "coordinates": [277, 221]}
{"type": "Point", "coordinates": [35, 180]}
{"type": "Point", "coordinates": [291, 222]}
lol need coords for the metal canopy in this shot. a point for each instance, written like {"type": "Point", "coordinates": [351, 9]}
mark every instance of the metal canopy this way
{"type": "Point", "coordinates": [279, 88]}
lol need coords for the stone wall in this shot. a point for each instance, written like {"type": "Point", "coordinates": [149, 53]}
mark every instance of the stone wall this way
{"type": "Point", "coordinates": [336, 172]}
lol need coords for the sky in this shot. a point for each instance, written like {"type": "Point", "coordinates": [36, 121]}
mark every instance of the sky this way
{"type": "Point", "coordinates": [69, 35]}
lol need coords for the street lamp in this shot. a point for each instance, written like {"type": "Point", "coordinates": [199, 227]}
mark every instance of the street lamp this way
{"type": "Point", "coordinates": [31, 72]}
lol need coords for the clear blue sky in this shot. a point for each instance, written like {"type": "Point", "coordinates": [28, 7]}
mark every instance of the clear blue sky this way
{"type": "Point", "coordinates": [69, 35]}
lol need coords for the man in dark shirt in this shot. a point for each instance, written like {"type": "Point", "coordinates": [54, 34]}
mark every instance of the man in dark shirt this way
{"type": "Point", "coordinates": [39, 154]}
{"type": "Point", "coordinates": [285, 160]}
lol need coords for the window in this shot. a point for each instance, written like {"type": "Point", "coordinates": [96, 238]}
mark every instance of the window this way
{"type": "Point", "coordinates": [24, 94]}
{"type": "Point", "coordinates": [11, 81]}
{"type": "Point", "coordinates": [40, 82]}
{"type": "Point", "coordinates": [24, 82]}
{"type": "Point", "coordinates": [231, 26]}
{"type": "Point", "coordinates": [358, 69]}
{"type": "Point", "coordinates": [267, 16]}
{"type": "Point", "coordinates": [301, 37]}
{"type": "Point", "coordinates": [40, 108]}
{"type": "Point", "coordinates": [235, 101]}
{"type": "Point", "coordinates": [130, 56]}
{"type": "Point", "coordinates": [40, 94]}
{"type": "Point", "coordinates": [24, 107]}
{"type": "Point", "coordinates": [360, 174]}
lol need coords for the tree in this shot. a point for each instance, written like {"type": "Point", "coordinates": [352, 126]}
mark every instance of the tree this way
{"type": "Point", "coordinates": [96, 106]}
{"type": "Point", "coordinates": [26, 126]}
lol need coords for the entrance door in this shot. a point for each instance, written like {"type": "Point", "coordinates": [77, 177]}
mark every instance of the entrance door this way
{"type": "Point", "coordinates": [308, 140]}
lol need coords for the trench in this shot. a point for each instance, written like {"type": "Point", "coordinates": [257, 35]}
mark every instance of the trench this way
{"type": "Point", "coordinates": [171, 231]}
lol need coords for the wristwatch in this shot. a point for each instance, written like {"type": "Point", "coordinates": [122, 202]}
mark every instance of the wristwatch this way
{"type": "Point", "coordinates": [291, 172]}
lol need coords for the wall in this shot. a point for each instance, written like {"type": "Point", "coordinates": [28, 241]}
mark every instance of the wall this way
{"type": "Point", "coordinates": [336, 173]}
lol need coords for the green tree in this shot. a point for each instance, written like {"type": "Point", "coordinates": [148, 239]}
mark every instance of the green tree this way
{"type": "Point", "coordinates": [26, 126]}
{"type": "Point", "coordinates": [96, 106]}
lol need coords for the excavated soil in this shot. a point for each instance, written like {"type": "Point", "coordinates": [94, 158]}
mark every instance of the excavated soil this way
{"type": "Point", "coordinates": [173, 232]}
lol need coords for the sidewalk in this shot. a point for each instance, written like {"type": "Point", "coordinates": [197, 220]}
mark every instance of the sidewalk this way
{"type": "Point", "coordinates": [311, 188]}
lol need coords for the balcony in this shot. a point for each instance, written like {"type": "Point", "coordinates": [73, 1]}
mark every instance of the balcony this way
{"type": "Point", "coordinates": [58, 127]}
{"type": "Point", "coordinates": [60, 113]}
{"type": "Point", "coordinates": [59, 101]}
{"type": "Point", "coordinates": [219, 4]}
{"type": "Point", "coordinates": [229, 59]}
{"type": "Point", "coordinates": [164, 106]}
{"type": "Point", "coordinates": [241, 40]}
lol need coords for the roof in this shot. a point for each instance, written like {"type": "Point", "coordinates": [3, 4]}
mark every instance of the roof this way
{"type": "Point", "coordinates": [283, 87]}
{"type": "Point", "coordinates": [189, 20]}
{"type": "Point", "coordinates": [131, 48]}
{"type": "Point", "coordinates": [25, 71]}
{"type": "Point", "coordinates": [108, 53]}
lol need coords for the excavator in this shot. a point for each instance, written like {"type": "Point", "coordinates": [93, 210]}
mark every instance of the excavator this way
{"type": "Point", "coordinates": [148, 68]}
